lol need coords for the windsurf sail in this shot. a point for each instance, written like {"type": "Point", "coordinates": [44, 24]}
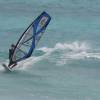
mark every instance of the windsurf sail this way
{"type": "Point", "coordinates": [29, 39]}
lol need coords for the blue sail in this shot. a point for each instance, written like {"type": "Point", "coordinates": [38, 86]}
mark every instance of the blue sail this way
{"type": "Point", "coordinates": [31, 36]}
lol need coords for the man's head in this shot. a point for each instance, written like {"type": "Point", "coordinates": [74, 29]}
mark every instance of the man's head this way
{"type": "Point", "coordinates": [12, 46]}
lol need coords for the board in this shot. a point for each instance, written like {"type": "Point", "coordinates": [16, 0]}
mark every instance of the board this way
{"type": "Point", "coordinates": [7, 68]}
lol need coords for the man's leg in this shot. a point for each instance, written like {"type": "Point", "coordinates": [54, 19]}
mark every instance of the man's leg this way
{"type": "Point", "coordinates": [9, 64]}
{"type": "Point", "coordinates": [13, 65]}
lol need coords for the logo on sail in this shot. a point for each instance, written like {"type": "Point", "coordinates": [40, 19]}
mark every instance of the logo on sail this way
{"type": "Point", "coordinates": [43, 21]}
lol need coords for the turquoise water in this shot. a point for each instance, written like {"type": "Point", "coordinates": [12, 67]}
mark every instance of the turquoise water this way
{"type": "Point", "coordinates": [66, 63]}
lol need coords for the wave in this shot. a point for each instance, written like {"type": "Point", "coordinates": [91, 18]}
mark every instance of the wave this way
{"type": "Point", "coordinates": [61, 54]}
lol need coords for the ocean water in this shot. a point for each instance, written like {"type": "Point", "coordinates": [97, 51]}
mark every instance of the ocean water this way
{"type": "Point", "coordinates": [66, 63]}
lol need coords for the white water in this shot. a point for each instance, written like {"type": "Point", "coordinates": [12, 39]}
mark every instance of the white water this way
{"type": "Point", "coordinates": [60, 54]}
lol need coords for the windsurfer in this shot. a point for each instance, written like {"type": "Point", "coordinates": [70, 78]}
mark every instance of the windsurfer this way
{"type": "Point", "coordinates": [11, 50]}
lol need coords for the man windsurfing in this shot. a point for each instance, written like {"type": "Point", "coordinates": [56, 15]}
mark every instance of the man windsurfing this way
{"type": "Point", "coordinates": [11, 50]}
{"type": "Point", "coordinates": [28, 41]}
